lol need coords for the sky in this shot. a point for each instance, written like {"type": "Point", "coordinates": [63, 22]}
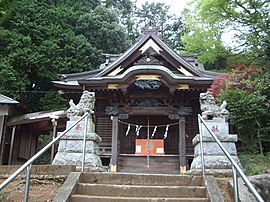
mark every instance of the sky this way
{"type": "Point", "coordinates": [176, 6]}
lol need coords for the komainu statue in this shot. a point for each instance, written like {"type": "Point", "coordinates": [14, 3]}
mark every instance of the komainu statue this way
{"type": "Point", "coordinates": [210, 109]}
{"type": "Point", "coordinates": [87, 102]}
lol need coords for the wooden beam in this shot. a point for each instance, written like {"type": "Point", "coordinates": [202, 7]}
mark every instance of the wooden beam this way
{"type": "Point", "coordinates": [114, 156]}
{"type": "Point", "coordinates": [149, 110]}
{"type": "Point", "coordinates": [182, 144]}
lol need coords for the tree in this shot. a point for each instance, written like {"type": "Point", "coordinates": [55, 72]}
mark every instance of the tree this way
{"type": "Point", "coordinates": [247, 95]}
{"type": "Point", "coordinates": [212, 19]}
{"type": "Point", "coordinates": [248, 112]}
{"type": "Point", "coordinates": [174, 32]}
{"type": "Point", "coordinates": [40, 39]}
{"type": "Point", "coordinates": [101, 28]}
{"type": "Point", "coordinates": [249, 18]}
{"type": "Point", "coordinates": [203, 37]}
{"type": "Point", "coordinates": [125, 10]}
{"type": "Point", "coordinates": [157, 14]}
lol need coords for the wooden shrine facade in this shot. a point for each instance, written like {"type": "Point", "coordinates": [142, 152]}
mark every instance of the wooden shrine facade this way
{"type": "Point", "coordinates": [149, 93]}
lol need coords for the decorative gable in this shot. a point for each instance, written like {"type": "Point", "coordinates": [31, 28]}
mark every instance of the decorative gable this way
{"type": "Point", "coordinates": [152, 44]}
{"type": "Point", "coordinates": [150, 50]}
{"type": "Point", "coordinates": [149, 56]}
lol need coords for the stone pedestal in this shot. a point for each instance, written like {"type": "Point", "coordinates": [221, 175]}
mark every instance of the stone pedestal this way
{"type": "Point", "coordinates": [215, 161]}
{"type": "Point", "coordinates": [70, 147]}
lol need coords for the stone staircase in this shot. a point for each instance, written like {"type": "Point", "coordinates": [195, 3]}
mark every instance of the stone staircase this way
{"type": "Point", "coordinates": [109, 187]}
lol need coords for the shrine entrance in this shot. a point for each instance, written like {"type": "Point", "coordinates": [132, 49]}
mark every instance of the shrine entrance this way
{"type": "Point", "coordinates": [150, 144]}
{"type": "Point", "coordinates": [140, 133]}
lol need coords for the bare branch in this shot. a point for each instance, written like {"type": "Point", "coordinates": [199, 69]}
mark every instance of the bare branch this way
{"type": "Point", "coordinates": [240, 5]}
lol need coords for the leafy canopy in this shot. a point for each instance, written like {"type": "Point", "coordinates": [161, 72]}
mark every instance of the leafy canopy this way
{"type": "Point", "coordinates": [210, 21]}
{"type": "Point", "coordinates": [246, 90]}
{"type": "Point", "coordinates": [39, 39]}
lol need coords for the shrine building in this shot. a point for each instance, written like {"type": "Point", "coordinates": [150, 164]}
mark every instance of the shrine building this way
{"type": "Point", "coordinates": [147, 102]}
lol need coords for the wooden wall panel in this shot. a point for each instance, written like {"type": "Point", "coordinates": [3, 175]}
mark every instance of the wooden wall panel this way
{"type": "Point", "coordinates": [104, 130]}
{"type": "Point", "coordinates": [191, 132]}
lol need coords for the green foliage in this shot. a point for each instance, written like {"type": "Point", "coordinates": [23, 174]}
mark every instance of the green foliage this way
{"type": "Point", "coordinates": [263, 85]}
{"type": "Point", "coordinates": [255, 164]}
{"type": "Point", "coordinates": [209, 20]}
{"type": "Point", "coordinates": [154, 14]}
{"type": "Point", "coordinates": [3, 194]}
{"type": "Point", "coordinates": [125, 10]}
{"type": "Point", "coordinates": [248, 112]}
{"type": "Point", "coordinates": [246, 90]}
{"type": "Point", "coordinates": [53, 101]}
{"type": "Point", "coordinates": [251, 18]}
{"type": "Point", "coordinates": [202, 36]}
{"type": "Point", "coordinates": [39, 39]}
{"type": "Point", "coordinates": [157, 14]}
{"type": "Point", "coordinates": [102, 29]}
{"type": "Point", "coordinates": [45, 158]}
{"type": "Point", "coordinates": [173, 33]}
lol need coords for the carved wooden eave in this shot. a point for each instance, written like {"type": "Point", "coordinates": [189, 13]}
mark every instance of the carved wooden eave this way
{"type": "Point", "coordinates": [127, 78]}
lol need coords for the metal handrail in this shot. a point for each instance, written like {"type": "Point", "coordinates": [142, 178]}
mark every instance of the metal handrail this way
{"type": "Point", "coordinates": [233, 162]}
{"type": "Point", "coordinates": [28, 164]}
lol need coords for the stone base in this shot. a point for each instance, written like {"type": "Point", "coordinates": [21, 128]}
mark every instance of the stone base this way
{"type": "Point", "coordinates": [76, 146]}
{"type": "Point", "coordinates": [214, 172]}
{"type": "Point", "coordinates": [215, 160]}
{"type": "Point", "coordinates": [211, 147]}
{"type": "Point", "coordinates": [70, 149]}
{"type": "Point", "coordinates": [67, 158]}
{"type": "Point", "coordinates": [217, 125]}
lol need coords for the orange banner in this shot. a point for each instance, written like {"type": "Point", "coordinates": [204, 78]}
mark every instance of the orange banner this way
{"type": "Point", "coordinates": [153, 146]}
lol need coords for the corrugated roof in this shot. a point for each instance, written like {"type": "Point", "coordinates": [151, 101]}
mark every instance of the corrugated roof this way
{"type": "Point", "coordinates": [36, 117]}
{"type": "Point", "coordinates": [7, 100]}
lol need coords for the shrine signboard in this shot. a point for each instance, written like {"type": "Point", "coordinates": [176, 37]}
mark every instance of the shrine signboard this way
{"type": "Point", "coordinates": [152, 147]}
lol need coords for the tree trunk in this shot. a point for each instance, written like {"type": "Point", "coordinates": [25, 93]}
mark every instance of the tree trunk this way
{"type": "Point", "coordinates": [259, 137]}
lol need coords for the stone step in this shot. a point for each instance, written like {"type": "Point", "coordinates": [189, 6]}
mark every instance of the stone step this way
{"type": "Point", "coordinates": [85, 198]}
{"type": "Point", "coordinates": [142, 179]}
{"type": "Point", "coordinates": [107, 187]}
{"type": "Point", "coordinates": [141, 191]}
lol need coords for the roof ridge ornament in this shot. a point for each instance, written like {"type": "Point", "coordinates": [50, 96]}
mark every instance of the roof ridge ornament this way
{"type": "Point", "coordinates": [149, 29]}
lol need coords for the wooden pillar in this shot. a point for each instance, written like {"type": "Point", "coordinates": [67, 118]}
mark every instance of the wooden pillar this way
{"type": "Point", "coordinates": [182, 144]}
{"type": "Point", "coordinates": [114, 156]}
{"type": "Point", "coordinates": [11, 145]}
{"type": "Point", "coordinates": [54, 134]}
{"type": "Point", "coordinates": [2, 132]}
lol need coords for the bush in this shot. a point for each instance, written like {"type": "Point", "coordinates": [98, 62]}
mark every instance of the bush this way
{"type": "Point", "coordinates": [255, 164]}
